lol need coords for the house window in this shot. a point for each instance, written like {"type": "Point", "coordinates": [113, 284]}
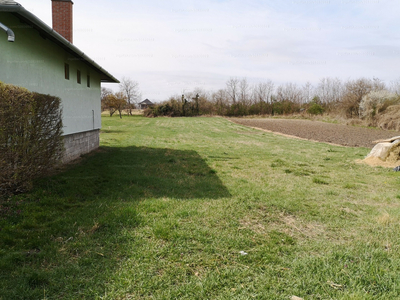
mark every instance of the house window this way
{"type": "Point", "coordinates": [66, 71]}
{"type": "Point", "coordinates": [88, 81]}
{"type": "Point", "coordinates": [78, 77]}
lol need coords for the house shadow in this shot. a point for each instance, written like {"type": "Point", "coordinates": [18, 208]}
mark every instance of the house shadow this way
{"type": "Point", "coordinates": [83, 212]}
{"type": "Point", "coordinates": [135, 173]}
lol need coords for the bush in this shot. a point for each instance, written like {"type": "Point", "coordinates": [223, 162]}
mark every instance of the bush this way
{"type": "Point", "coordinates": [260, 108]}
{"type": "Point", "coordinates": [354, 92]}
{"type": "Point", "coordinates": [30, 137]}
{"type": "Point", "coordinates": [237, 110]}
{"type": "Point", "coordinates": [174, 107]}
{"type": "Point", "coordinates": [163, 110]}
{"type": "Point", "coordinates": [377, 102]}
{"type": "Point", "coordinates": [285, 107]}
{"type": "Point", "coordinates": [315, 107]}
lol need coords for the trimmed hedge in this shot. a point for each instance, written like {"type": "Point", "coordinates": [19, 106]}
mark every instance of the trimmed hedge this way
{"type": "Point", "coordinates": [30, 137]}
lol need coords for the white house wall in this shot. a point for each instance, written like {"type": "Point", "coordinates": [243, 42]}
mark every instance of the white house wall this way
{"type": "Point", "coordinates": [37, 64]}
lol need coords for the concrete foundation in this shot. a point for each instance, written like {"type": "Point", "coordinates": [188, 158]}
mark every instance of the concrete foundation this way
{"type": "Point", "coordinates": [80, 143]}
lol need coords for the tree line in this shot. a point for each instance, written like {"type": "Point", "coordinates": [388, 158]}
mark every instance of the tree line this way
{"type": "Point", "coordinates": [240, 98]}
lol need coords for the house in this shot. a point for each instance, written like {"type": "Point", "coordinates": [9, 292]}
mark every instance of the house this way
{"type": "Point", "coordinates": [145, 104]}
{"type": "Point", "coordinates": [44, 60]}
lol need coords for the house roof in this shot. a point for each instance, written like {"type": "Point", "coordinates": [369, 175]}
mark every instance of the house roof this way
{"type": "Point", "coordinates": [147, 101]}
{"type": "Point", "coordinates": [45, 30]}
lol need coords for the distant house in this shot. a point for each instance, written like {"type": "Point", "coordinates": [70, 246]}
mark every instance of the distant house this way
{"type": "Point", "coordinates": [145, 104]}
{"type": "Point", "coordinates": [44, 60]}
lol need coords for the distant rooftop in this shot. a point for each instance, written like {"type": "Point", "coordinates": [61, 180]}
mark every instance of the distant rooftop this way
{"type": "Point", "coordinates": [147, 101]}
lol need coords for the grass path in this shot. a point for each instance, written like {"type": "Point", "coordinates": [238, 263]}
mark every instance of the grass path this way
{"type": "Point", "coordinates": [163, 210]}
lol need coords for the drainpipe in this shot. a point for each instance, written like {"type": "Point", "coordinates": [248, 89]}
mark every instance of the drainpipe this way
{"type": "Point", "coordinates": [10, 33]}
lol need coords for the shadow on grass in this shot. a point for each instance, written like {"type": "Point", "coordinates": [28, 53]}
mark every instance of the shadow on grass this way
{"type": "Point", "coordinates": [74, 229]}
{"type": "Point", "coordinates": [133, 173]}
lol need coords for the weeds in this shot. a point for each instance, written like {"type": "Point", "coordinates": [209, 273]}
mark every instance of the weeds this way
{"type": "Point", "coordinates": [319, 181]}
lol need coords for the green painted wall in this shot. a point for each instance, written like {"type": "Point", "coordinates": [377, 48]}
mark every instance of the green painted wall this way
{"type": "Point", "coordinates": [37, 64]}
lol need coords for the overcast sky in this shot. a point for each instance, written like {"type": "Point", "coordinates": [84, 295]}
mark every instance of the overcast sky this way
{"type": "Point", "coordinates": [176, 45]}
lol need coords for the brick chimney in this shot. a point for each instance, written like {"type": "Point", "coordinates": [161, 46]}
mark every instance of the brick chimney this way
{"type": "Point", "coordinates": [62, 18]}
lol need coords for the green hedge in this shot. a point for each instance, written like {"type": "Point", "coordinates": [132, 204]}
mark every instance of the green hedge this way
{"type": "Point", "coordinates": [30, 137]}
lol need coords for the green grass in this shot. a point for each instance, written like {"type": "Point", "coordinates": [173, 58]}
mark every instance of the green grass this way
{"type": "Point", "coordinates": [164, 208]}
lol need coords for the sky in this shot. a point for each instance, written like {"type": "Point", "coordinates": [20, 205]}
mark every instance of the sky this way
{"type": "Point", "coordinates": [171, 47]}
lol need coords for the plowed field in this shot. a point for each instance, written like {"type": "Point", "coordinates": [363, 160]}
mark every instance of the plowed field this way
{"type": "Point", "coordinates": [339, 134]}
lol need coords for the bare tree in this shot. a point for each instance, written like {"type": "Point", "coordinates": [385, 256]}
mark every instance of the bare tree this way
{"type": "Point", "coordinates": [202, 92]}
{"type": "Point", "coordinates": [337, 90]}
{"type": "Point", "coordinates": [130, 89]}
{"type": "Point", "coordinates": [232, 88]}
{"type": "Point", "coordinates": [244, 92]}
{"type": "Point", "coordinates": [269, 86]}
{"type": "Point", "coordinates": [355, 90]}
{"type": "Point", "coordinates": [258, 93]}
{"type": "Point", "coordinates": [289, 92]}
{"type": "Point", "coordinates": [395, 86]}
{"type": "Point", "coordinates": [307, 93]}
{"type": "Point", "coordinates": [220, 99]}
{"type": "Point", "coordinates": [330, 90]}
{"type": "Point", "coordinates": [378, 84]}
{"type": "Point", "coordinates": [262, 92]}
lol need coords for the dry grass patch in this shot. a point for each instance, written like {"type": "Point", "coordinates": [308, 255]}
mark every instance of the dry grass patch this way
{"type": "Point", "coordinates": [349, 211]}
{"type": "Point", "coordinates": [295, 227]}
{"type": "Point", "coordinates": [386, 219]}
{"type": "Point", "coordinates": [285, 223]}
{"type": "Point", "coordinates": [254, 224]}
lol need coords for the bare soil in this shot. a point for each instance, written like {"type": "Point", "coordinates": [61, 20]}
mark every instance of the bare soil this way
{"type": "Point", "coordinates": [344, 135]}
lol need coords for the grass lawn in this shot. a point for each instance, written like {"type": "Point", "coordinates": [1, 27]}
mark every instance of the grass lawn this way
{"type": "Point", "coordinates": [165, 207]}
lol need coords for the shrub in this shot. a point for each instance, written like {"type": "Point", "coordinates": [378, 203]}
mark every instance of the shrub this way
{"type": "Point", "coordinates": [30, 137]}
{"type": "Point", "coordinates": [285, 108]}
{"type": "Point", "coordinates": [260, 108]}
{"type": "Point", "coordinates": [167, 109]}
{"type": "Point", "coordinates": [354, 92]}
{"type": "Point", "coordinates": [277, 108]}
{"type": "Point", "coordinates": [148, 112]}
{"type": "Point", "coordinates": [377, 102]}
{"type": "Point", "coordinates": [236, 110]}
{"type": "Point", "coordinates": [315, 107]}
{"type": "Point", "coordinates": [175, 107]}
